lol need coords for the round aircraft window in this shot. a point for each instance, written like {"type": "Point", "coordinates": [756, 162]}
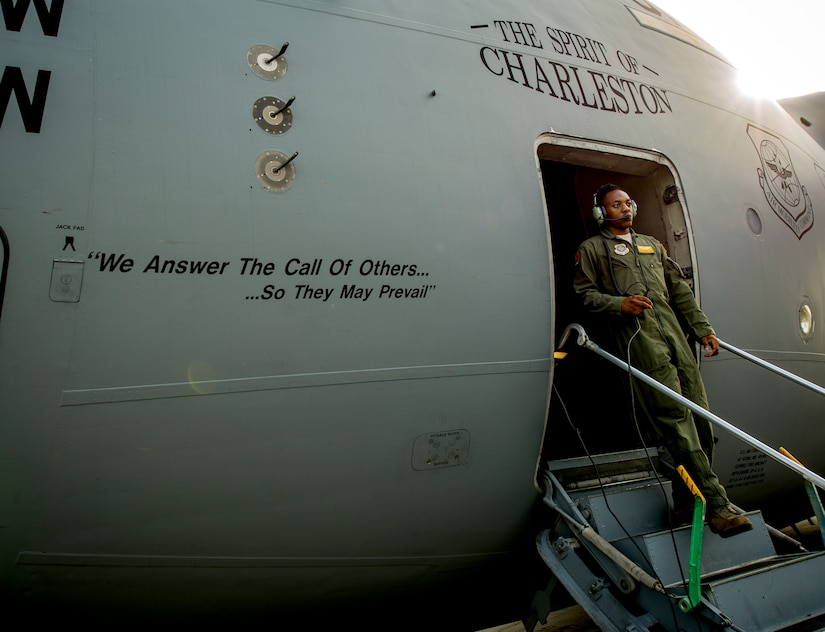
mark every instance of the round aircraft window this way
{"type": "Point", "coordinates": [806, 319]}
{"type": "Point", "coordinates": [754, 221]}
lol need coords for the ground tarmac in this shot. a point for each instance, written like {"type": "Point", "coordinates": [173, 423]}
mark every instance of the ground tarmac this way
{"type": "Point", "coordinates": [571, 619]}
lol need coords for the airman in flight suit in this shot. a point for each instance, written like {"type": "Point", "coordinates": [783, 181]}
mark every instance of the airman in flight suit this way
{"type": "Point", "coordinates": [629, 280]}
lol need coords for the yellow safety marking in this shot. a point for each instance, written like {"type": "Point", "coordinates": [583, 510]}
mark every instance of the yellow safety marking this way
{"type": "Point", "coordinates": [784, 452]}
{"type": "Point", "coordinates": [689, 482]}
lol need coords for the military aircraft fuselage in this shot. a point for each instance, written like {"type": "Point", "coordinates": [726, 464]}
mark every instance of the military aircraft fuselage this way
{"type": "Point", "coordinates": [283, 281]}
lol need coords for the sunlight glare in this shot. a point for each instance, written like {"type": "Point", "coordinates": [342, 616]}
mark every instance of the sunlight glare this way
{"type": "Point", "coordinates": [775, 46]}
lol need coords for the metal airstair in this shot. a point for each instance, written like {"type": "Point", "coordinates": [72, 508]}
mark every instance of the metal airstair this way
{"type": "Point", "coordinates": [616, 550]}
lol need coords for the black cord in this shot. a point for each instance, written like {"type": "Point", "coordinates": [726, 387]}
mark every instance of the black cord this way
{"type": "Point", "coordinates": [607, 503]}
{"type": "Point", "coordinates": [620, 291]}
{"type": "Point", "coordinates": [658, 479]}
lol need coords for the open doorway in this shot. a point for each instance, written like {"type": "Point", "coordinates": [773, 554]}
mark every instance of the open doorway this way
{"type": "Point", "coordinates": [590, 401]}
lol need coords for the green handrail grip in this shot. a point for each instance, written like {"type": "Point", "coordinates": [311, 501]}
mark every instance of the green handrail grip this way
{"type": "Point", "coordinates": [686, 604]}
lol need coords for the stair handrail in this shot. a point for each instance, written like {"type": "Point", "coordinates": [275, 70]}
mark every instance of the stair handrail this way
{"type": "Point", "coordinates": [772, 367]}
{"type": "Point", "coordinates": [584, 341]}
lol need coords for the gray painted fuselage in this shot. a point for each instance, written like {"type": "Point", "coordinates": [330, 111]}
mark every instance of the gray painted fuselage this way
{"type": "Point", "coordinates": [290, 384]}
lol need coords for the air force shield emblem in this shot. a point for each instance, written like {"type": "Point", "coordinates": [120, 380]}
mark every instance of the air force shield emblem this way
{"type": "Point", "coordinates": [777, 178]}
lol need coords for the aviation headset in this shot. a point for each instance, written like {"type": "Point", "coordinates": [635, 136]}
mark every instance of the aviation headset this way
{"type": "Point", "coordinates": [599, 212]}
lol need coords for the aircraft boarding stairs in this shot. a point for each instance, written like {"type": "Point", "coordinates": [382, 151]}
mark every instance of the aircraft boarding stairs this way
{"type": "Point", "coordinates": [616, 550]}
{"type": "Point", "coordinates": [617, 553]}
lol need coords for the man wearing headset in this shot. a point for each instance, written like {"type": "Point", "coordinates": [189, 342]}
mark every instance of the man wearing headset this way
{"type": "Point", "coordinates": [639, 293]}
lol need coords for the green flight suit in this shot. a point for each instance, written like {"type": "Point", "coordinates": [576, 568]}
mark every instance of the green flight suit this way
{"type": "Point", "coordinates": [660, 348]}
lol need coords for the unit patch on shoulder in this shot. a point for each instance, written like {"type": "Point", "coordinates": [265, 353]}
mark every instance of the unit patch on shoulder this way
{"type": "Point", "coordinates": [646, 250]}
{"type": "Point", "coordinates": [578, 257]}
{"type": "Point", "coordinates": [621, 249]}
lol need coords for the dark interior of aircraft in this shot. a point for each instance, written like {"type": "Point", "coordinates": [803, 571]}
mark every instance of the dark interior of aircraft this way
{"type": "Point", "coordinates": [591, 404]}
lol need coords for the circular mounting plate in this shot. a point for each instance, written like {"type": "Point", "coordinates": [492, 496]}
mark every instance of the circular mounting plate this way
{"type": "Point", "coordinates": [271, 115]}
{"type": "Point", "coordinates": [271, 175]}
{"type": "Point", "coordinates": [265, 63]}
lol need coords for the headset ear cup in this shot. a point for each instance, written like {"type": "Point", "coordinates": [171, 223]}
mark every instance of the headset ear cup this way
{"type": "Point", "coordinates": [634, 207]}
{"type": "Point", "coordinates": [598, 214]}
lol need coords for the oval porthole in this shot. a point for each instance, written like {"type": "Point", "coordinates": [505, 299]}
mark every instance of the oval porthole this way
{"type": "Point", "coordinates": [806, 319]}
{"type": "Point", "coordinates": [754, 221]}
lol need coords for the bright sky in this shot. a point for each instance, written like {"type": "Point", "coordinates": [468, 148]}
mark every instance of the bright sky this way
{"type": "Point", "coordinates": [777, 45]}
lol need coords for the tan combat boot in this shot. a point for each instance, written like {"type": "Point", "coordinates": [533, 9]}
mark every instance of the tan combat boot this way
{"type": "Point", "coordinates": [724, 521]}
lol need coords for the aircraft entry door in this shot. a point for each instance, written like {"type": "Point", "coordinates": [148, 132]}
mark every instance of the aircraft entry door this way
{"type": "Point", "coordinates": [572, 169]}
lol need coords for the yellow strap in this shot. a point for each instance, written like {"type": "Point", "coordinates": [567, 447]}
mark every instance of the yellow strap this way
{"type": "Point", "coordinates": [689, 482]}
{"type": "Point", "coordinates": [784, 452]}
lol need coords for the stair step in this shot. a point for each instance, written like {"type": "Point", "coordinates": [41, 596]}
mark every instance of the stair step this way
{"type": "Point", "coordinates": [782, 595]}
{"type": "Point", "coordinates": [602, 469]}
{"type": "Point", "coordinates": [667, 552]}
{"type": "Point", "coordinates": [626, 509]}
